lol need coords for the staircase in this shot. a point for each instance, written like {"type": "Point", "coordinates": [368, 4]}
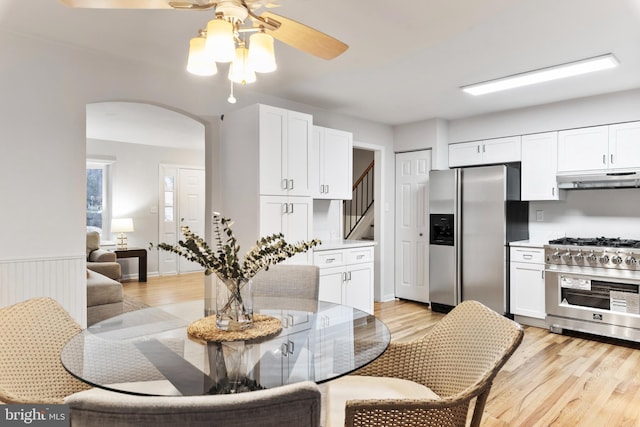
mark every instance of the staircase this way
{"type": "Point", "coordinates": [358, 212]}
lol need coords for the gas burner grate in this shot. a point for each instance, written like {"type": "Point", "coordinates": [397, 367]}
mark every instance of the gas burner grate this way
{"type": "Point", "coordinates": [615, 242]}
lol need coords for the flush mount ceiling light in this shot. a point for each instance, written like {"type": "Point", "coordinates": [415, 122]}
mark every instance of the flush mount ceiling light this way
{"type": "Point", "coordinates": [225, 38]}
{"type": "Point", "coordinates": [583, 66]}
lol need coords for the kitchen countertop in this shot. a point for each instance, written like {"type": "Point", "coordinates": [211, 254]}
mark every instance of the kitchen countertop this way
{"type": "Point", "coordinates": [343, 244]}
{"type": "Point", "coordinates": [528, 244]}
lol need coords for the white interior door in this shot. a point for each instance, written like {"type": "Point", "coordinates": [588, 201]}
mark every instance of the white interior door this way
{"type": "Point", "coordinates": [191, 208]}
{"type": "Point", "coordinates": [182, 197]}
{"type": "Point", "coordinates": [412, 225]}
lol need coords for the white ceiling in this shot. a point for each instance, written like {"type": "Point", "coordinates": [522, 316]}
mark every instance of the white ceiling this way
{"type": "Point", "coordinates": [407, 58]}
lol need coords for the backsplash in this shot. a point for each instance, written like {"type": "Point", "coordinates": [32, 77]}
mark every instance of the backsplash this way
{"type": "Point", "coordinates": [588, 213]}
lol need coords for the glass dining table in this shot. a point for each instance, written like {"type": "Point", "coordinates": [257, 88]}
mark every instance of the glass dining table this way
{"type": "Point", "coordinates": [149, 352]}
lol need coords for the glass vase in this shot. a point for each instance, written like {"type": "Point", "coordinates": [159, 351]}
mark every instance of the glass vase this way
{"type": "Point", "coordinates": [234, 304]}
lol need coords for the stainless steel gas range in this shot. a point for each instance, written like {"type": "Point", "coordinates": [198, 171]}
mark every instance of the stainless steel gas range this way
{"type": "Point", "coordinates": [592, 286]}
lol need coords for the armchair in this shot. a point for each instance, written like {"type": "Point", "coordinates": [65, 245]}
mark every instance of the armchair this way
{"type": "Point", "coordinates": [432, 381]}
{"type": "Point", "coordinates": [100, 260]}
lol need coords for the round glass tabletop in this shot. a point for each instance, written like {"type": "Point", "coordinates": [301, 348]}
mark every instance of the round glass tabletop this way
{"type": "Point", "coordinates": [149, 352]}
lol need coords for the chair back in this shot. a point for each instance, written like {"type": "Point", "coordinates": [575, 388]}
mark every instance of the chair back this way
{"type": "Point", "coordinates": [287, 286]}
{"type": "Point", "coordinates": [33, 333]}
{"type": "Point", "coordinates": [466, 349]}
{"type": "Point", "coordinates": [295, 404]}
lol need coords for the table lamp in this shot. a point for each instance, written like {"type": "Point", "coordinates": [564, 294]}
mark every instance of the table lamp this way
{"type": "Point", "coordinates": [122, 226]}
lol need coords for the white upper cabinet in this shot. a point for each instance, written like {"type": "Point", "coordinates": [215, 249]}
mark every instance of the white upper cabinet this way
{"type": "Point", "coordinates": [624, 146]}
{"type": "Point", "coordinates": [331, 163]}
{"type": "Point", "coordinates": [539, 166]}
{"type": "Point", "coordinates": [502, 150]}
{"type": "Point", "coordinates": [285, 139]}
{"type": "Point", "coordinates": [490, 151]}
{"type": "Point", "coordinates": [584, 149]}
{"type": "Point", "coordinates": [599, 148]}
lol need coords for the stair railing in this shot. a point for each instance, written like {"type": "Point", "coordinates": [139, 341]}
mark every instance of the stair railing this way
{"type": "Point", "coordinates": [362, 199]}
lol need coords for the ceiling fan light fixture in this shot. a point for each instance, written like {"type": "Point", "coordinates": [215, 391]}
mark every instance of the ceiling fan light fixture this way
{"type": "Point", "coordinates": [575, 68]}
{"type": "Point", "coordinates": [220, 43]}
{"type": "Point", "coordinates": [262, 57]}
{"type": "Point", "coordinates": [200, 62]}
{"type": "Point", "coordinates": [240, 71]}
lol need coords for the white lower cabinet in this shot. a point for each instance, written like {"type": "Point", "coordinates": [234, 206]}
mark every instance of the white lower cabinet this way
{"type": "Point", "coordinates": [346, 276]}
{"type": "Point", "coordinates": [286, 359]}
{"type": "Point", "coordinates": [527, 282]}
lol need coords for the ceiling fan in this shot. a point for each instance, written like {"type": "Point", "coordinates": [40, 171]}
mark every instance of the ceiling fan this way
{"type": "Point", "coordinates": [288, 31]}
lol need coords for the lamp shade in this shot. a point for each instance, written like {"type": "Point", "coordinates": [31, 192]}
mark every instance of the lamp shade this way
{"type": "Point", "coordinates": [122, 225]}
{"type": "Point", "coordinates": [262, 58]}
{"type": "Point", "coordinates": [240, 71]}
{"type": "Point", "coordinates": [220, 43]}
{"type": "Point", "coordinates": [200, 62]}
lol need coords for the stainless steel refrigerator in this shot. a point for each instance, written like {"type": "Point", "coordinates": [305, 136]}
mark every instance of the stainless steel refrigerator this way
{"type": "Point", "coordinates": [474, 213]}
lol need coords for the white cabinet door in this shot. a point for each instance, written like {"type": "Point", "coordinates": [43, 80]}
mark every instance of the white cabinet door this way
{"type": "Point", "coordinates": [285, 139]}
{"type": "Point", "coordinates": [527, 290]}
{"type": "Point", "coordinates": [490, 151]}
{"type": "Point", "coordinates": [466, 153]}
{"type": "Point", "coordinates": [298, 217]}
{"type": "Point", "coordinates": [290, 216]}
{"type": "Point", "coordinates": [584, 149]}
{"type": "Point", "coordinates": [272, 215]}
{"type": "Point", "coordinates": [501, 150]}
{"type": "Point", "coordinates": [358, 287]}
{"type": "Point", "coordinates": [334, 164]}
{"type": "Point", "coordinates": [624, 146]}
{"type": "Point", "coordinates": [539, 166]}
{"type": "Point", "coordinates": [273, 138]}
{"type": "Point", "coordinates": [299, 137]}
{"type": "Point", "coordinates": [298, 359]}
{"type": "Point", "coordinates": [331, 280]}
{"type": "Point", "coordinates": [527, 282]}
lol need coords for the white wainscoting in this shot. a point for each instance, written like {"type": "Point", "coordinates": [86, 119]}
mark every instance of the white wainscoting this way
{"type": "Point", "coordinates": [63, 279]}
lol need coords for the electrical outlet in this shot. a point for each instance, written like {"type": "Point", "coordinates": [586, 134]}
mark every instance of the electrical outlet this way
{"type": "Point", "coordinates": [539, 216]}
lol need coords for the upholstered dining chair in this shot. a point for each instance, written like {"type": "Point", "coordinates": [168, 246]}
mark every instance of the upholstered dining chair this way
{"type": "Point", "coordinates": [32, 335]}
{"type": "Point", "coordinates": [431, 381]}
{"type": "Point", "coordinates": [295, 404]}
{"type": "Point", "coordinates": [293, 286]}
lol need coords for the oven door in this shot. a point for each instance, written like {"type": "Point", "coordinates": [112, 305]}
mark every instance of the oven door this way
{"type": "Point", "coordinates": [593, 303]}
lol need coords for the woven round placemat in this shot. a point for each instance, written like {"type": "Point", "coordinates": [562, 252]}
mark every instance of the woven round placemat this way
{"type": "Point", "coordinates": [205, 329]}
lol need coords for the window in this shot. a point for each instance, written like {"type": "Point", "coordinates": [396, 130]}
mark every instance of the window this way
{"type": "Point", "coordinates": [99, 196]}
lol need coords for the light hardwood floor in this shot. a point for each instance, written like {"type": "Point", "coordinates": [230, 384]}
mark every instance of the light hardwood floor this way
{"type": "Point", "coordinates": [551, 380]}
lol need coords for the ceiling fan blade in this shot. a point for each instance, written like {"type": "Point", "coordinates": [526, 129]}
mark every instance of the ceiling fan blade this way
{"type": "Point", "coordinates": [305, 38]}
{"type": "Point", "coordinates": [118, 4]}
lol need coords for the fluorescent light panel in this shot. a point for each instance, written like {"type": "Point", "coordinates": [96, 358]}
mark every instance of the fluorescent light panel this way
{"type": "Point", "coordinates": [543, 75]}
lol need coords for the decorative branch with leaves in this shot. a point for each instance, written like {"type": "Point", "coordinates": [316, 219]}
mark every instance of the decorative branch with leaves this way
{"type": "Point", "coordinates": [224, 261]}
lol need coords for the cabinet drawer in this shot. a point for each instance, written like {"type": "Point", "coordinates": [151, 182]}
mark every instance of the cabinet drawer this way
{"type": "Point", "coordinates": [328, 258]}
{"type": "Point", "coordinates": [358, 255]}
{"type": "Point", "coordinates": [529, 255]}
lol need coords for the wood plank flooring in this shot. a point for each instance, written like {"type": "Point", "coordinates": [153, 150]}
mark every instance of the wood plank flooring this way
{"type": "Point", "coordinates": [551, 380]}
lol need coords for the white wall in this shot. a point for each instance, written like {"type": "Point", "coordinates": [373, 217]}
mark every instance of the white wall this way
{"type": "Point", "coordinates": [583, 112]}
{"type": "Point", "coordinates": [45, 88]}
{"type": "Point", "coordinates": [135, 189]}
{"type": "Point", "coordinates": [422, 135]}
{"type": "Point", "coordinates": [588, 213]}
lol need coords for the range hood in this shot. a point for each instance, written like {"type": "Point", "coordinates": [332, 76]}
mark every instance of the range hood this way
{"type": "Point", "coordinates": [599, 180]}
